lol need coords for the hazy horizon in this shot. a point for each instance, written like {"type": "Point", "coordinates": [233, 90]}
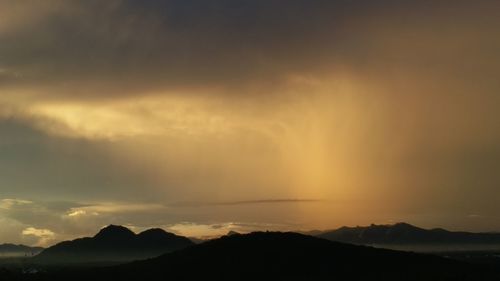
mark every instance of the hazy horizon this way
{"type": "Point", "coordinates": [201, 117]}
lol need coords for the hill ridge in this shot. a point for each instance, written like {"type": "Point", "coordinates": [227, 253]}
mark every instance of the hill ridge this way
{"type": "Point", "coordinates": [114, 244]}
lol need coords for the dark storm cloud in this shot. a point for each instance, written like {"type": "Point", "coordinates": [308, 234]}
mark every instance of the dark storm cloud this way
{"type": "Point", "coordinates": [120, 47]}
{"type": "Point", "coordinates": [418, 128]}
{"type": "Point", "coordinates": [163, 43]}
{"type": "Point", "coordinates": [38, 166]}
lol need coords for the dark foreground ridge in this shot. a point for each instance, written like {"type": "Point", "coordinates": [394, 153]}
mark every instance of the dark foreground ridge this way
{"type": "Point", "coordinates": [113, 244]}
{"type": "Point", "coordinates": [283, 256]}
{"type": "Point", "coordinates": [403, 233]}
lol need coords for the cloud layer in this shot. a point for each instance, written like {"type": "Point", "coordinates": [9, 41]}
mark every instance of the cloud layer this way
{"type": "Point", "coordinates": [379, 110]}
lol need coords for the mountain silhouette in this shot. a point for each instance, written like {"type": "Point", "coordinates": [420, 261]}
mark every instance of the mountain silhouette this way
{"type": "Point", "coordinates": [115, 233]}
{"type": "Point", "coordinates": [12, 250]}
{"type": "Point", "coordinates": [404, 233]}
{"type": "Point", "coordinates": [114, 244]}
{"type": "Point", "coordinates": [284, 256]}
{"type": "Point", "coordinates": [232, 232]}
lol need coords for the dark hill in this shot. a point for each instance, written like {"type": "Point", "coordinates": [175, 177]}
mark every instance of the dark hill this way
{"type": "Point", "coordinates": [114, 244]}
{"type": "Point", "coordinates": [11, 250]}
{"type": "Point", "coordinates": [232, 232]}
{"type": "Point", "coordinates": [403, 233]}
{"type": "Point", "coordinates": [115, 233]}
{"type": "Point", "coordinates": [285, 256]}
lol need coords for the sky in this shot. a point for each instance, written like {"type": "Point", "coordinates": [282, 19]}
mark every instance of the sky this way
{"type": "Point", "coordinates": [201, 117]}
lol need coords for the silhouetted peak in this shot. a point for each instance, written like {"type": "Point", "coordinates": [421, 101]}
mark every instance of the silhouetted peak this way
{"type": "Point", "coordinates": [156, 233]}
{"type": "Point", "coordinates": [282, 256]}
{"type": "Point", "coordinates": [407, 234]}
{"type": "Point", "coordinates": [18, 247]}
{"type": "Point", "coordinates": [115, 243]}
{"type": "Point", "coordinates": [397, 226]}
{"type": "Point", "coordinates": [405, 226]}
{"type": "Point", "coordinates": [114, 232]}
{"type": "Point", "coordinates": [232, 232]}
{"type": "Point", "coordinates": [153, 231]}
{"type": "Point", "coordinates": [344, 228]}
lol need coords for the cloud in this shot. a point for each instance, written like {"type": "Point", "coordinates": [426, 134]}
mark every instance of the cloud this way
{"type": "Point", "coordinates": [44, 236]}
{"type": "Point", "coordinates": [45, 223]}
{"type": "Point", "coordinates": [208, 231]}
{"type": "Point", "coordinates": [244, 202]}
{"type": "Point", "coordinates": [126, 111]}
{"type": "Point", "coordinates": [112, 208]}
{"type": "Point", "coordinates": [57, 167]}
{"type": "Point", "coordinates": [38, 232]}
{"type": "Point", "coordinates": [77, 213]}
{"type": "Point", "coordinates": [11, 230]}
{"type": "Point", "coordinates": [8, 204]}
{"type": "Point", "coordinates": [89, 49]}
{"type": "Point", "coordinates": [145, 117]}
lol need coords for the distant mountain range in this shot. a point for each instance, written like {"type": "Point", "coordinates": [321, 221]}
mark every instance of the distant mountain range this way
{"type": "Point", "coordinates": [403, 233]}
{"type": "Point", "coordinates": [282, 256]}
{"type": "Point", "coordinates": [12, 250]}
{"type": "Point", "coordinates": [119, 244]}
{"type": "Point", "coordinates": [114, 244]}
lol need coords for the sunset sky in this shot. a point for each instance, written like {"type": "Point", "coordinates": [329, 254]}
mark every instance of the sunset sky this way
{"type": "Point", "coordinates": [204, 116]}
